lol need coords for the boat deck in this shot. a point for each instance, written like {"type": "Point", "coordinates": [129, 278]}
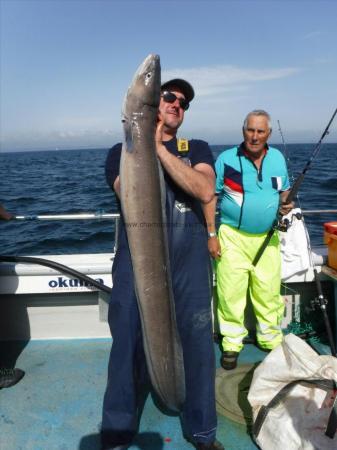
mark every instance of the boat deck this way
{"type": "Point", "coordinates": [57, 405]}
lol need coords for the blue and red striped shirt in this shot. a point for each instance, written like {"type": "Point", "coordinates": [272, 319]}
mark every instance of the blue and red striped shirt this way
{"type": "Point", "coordinates": [249, 198]}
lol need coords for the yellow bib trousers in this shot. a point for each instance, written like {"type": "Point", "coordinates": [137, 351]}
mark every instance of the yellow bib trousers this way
{"type": "Point", "coordinates": [236, 277]}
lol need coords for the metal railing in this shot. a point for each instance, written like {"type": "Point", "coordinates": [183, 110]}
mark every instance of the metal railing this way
{"type": "Point", "coordinates": [101, 215]}
{"type": "Point", "coordinates": [98, 215]}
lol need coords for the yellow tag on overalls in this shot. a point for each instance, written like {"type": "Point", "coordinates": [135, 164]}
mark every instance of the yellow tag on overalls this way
{"type": "Point", "coordinates": [182, 145]}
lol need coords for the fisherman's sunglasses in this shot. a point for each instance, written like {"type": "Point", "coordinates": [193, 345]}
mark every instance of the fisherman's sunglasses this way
{"type": "Point", "coordinates": [169, 97]}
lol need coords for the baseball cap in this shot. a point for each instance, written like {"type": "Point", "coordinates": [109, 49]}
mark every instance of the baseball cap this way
{"type": "Point", "coordinates": [183, 85]}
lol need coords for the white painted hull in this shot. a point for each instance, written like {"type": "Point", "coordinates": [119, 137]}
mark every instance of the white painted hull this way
{"type": "Point", "coordinates": [37, 302]}
{"type": "Point", "coordinates": [25, 278]}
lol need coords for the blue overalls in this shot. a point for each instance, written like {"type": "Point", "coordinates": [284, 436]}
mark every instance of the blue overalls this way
{"type": "Point", "coordinates": [127, 373]}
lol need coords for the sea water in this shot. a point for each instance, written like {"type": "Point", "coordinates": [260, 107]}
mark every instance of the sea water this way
{"type": "Point", "coordinates": [73, 181]}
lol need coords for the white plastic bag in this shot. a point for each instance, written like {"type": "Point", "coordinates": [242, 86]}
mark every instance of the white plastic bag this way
{"type": "Point", "coordinates": [294, 247]}
{"type": "Point", "coordinates": [299, 420]}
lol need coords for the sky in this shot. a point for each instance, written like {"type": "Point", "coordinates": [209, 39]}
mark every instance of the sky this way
{"type": "Point", "coordinates": [66, 66]}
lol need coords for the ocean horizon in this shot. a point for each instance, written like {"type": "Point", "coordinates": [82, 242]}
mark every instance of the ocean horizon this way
{"type": "Point", "coordinates": [278, 145]}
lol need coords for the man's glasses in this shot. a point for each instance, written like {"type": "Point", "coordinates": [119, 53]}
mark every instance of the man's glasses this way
{"type": "Point", "coordinates": [169, 97]}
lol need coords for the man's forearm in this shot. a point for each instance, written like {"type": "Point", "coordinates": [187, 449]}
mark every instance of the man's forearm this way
{"type": "Point", "coordinates": [284, 195]}
{"type": "Point", "coordinates": [213, 243]}
{"type": "Point", "coordinates": [209, 210]}
{"type": "Point", "coordinates": [284, 207]}
{"type": "Point", "coordinates": [197, 181]}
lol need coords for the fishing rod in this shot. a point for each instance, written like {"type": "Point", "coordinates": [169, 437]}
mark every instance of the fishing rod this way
{"type": "Point", "coordinates": [285, 223]}
{"type": "Point", "coordinates": [320, 301]}
{"type": "Point", "coordinates": [283, 140]}
{"type": "Point", "coordinates": [292, 193]}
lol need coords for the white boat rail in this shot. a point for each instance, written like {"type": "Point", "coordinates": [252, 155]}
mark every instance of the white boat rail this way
{"type": "Point", "coordinates": [102, 215]}
{"type": "Point", "coordinates": [97, 215]}
{"type": "Point", "coordinates": [77, 216]}
{"type": "Point", "coordinates": [319, 211]}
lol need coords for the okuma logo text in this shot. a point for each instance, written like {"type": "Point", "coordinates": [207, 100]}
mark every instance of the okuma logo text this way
{"type": "Point", "coordinates": [61, 282]}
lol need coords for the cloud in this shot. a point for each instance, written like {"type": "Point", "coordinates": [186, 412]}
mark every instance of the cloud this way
{"type": "Point", "coordinates": [324, 60]}
{"type": "Point", "coordinates": [218, 79]}
{"type": "Point", "coordinates": [62, 139]}
{"type": "Point", "coordinates": [312, 34]}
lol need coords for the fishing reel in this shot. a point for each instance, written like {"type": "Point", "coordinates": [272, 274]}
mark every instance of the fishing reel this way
{"type": "Point", "coordinates": [319, 302]}
{"type": "Point", "coordinates": [285, 222]}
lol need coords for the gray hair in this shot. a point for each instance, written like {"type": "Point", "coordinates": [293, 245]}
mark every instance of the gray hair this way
{"type": "Point", "coordinates": [257, 112]}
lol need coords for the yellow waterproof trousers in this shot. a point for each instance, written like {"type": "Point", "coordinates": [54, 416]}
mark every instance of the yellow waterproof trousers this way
{"type": "Point", "coordinates": [236, 277]}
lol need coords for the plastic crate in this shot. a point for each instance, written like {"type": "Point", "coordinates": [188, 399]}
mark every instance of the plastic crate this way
{"type": "Point", "coordinates": [330, 239]}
